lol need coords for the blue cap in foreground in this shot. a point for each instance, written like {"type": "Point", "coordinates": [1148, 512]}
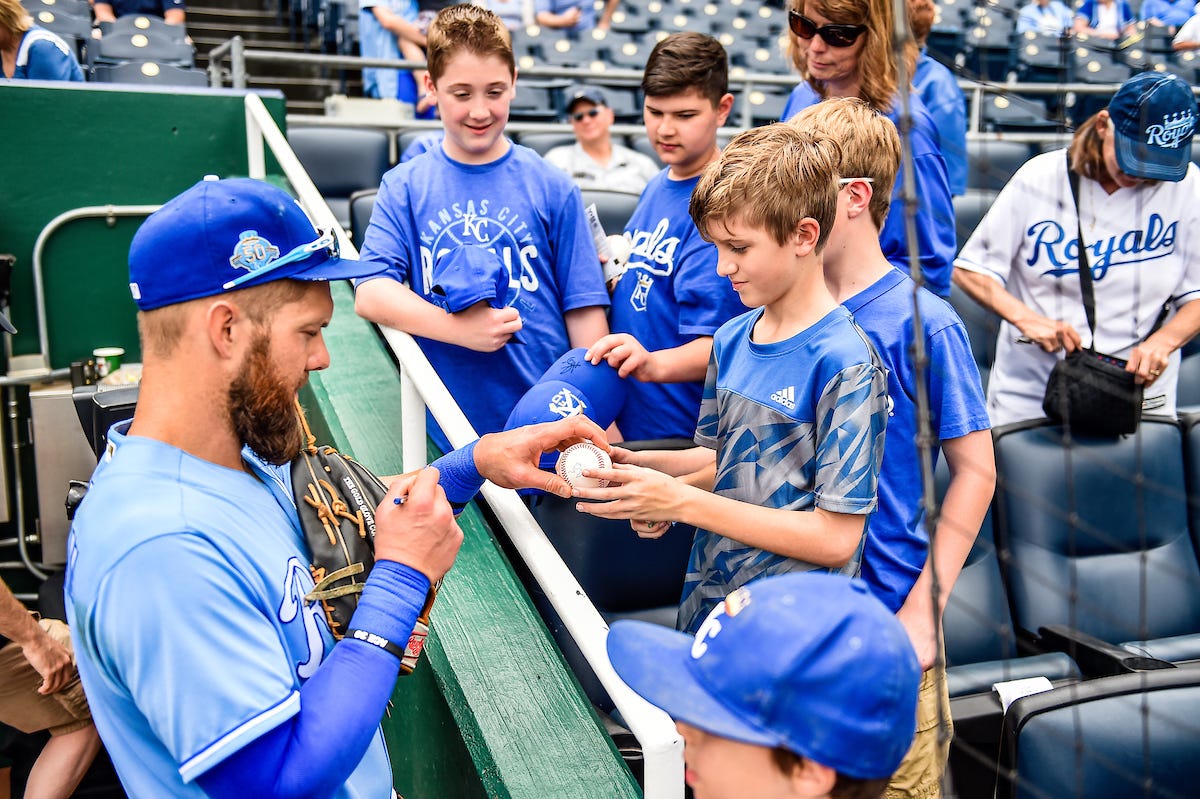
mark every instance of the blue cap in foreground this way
{"type": "Point", "coordinates": [1154, 116]}
{"type": "Point", "coordinates": [811, 662]}
{"type": "Point", "coordinates": [221, 235]}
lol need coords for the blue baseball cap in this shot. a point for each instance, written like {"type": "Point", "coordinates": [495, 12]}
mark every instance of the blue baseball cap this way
{"type": "Point", "coordinates": [1154, 116]}
{"type": "Point", "coordinates": [811, 662]}
{"type": "Point", "coordinates": [466, 275]}
{"type": "Point", "coordinates": [569, 387]}
{"type": "Point", "coordinates": [221, 235]}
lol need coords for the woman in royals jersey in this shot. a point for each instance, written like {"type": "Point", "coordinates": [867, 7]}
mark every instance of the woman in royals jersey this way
{"type": "Point", "coordinates": [1139, 206]}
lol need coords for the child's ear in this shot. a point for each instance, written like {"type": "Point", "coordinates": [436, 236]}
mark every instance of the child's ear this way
{"type": "Point", "coordinates": [723, 109]}
{"type": "Point", "coordinates": [858, 199]}
{"type": "Point", "coordinates": [430, 89]}
{"type": "Point", "coordinates": [808, 230]}
{"type": "Point", "coordinates": [810, 779]}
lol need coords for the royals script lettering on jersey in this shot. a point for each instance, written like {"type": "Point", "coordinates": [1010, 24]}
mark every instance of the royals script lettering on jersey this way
{"type": "Point", "coordinates": [1056, 247]}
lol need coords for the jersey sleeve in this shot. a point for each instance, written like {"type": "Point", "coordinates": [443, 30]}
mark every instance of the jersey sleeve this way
{"type": "Point", "coordinates": [48, 61]}
{"type": "Point", "coordinates": [851, 419]}
{"type": "Point", "coordinates": [708, 424]}
{"type": "Point", "coordinates": [390, 238]}
{"type": "Point", "coordinates": [955, 390]}
{"type": "Point", "coordinates": [577, 267]}
{"type": "Point", "coordinates": [213, 681]}
{"type": "Point", "coordinates": [1188, 288]}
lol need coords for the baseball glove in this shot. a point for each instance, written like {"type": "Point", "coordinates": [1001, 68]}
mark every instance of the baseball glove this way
{"type": "Point", "coordinates": [336, 498]}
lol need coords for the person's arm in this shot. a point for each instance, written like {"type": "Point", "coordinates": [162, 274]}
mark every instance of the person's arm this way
{"type": "Point", "coordinates": [397, 25]}
{"type": "Point", "coordinates": [972, 465]}
{"type": "Point", "coordinates": [1149, 358]}
{"type": "Point", "coordinates": [1188, 37]}
{"type": "Point", "coordinates": [48, 657]}
{"type": "Point", "coordinates": [675, 462]}
{"type": "Point", "coordinates": [626, 354]}
{"type": "Point", "coordinates": [104, 12]}
{"type": "Point", "coordinates": [1049, 334]}
{"type": "Point", "coordinates": [610, 8]}
{"type": "Point", "coordinates": [586, 326]}
{"type": "Point", "coordinates": [175, 16]}
{"type": "Point", "coordinates": [480, 327]}
{"type": "Point", "coordinates": [567, 19]}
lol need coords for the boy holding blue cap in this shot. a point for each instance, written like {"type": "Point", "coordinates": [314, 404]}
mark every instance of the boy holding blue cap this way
{"type": "Point", "coordinates": [800, 685]}
{"type": "Point", "coordinates": [480, 190]}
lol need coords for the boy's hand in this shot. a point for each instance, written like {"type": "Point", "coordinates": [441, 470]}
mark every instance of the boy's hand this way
{"type": "Point", "coordinates": [623, 353]}
{"type": "Point", "coordinates": [651, 497]}
{"type": "Point", "coordinates": [483, 328]}
{"type": "Point", "coordinates": [916, 615]}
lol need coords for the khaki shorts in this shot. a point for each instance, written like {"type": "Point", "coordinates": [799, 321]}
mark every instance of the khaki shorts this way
{"type": "Point", "coordinates": [21, 706]}
{"type": "Point", "coordinates": [920, 773]}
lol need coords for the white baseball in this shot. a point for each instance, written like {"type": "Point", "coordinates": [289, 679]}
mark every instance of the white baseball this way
{"type": "Point", "coordinates": [577, 457]}
{"type": "Point", "coordinates": [619, 249]}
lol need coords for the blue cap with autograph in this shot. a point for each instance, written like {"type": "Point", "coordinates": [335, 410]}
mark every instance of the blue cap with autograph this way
{"type": "Point", "coordinates": [466, 275]}
{"type": "Point", "coordinates": [1154, 116]}
{"type": "Point", "coordinates": [571, 386]}
{"type": "Point", "coordinates": [221, 235]}
{"type": "Point", "coordinates": [811, 662]}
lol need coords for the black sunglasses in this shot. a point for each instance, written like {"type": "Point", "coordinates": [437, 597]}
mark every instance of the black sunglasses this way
{"type": "Point", "coordinates": [579, 115]}
{"type": "Point", "coordinates": [834, 35]}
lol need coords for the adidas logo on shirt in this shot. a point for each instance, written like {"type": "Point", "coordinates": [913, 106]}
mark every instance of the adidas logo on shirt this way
{"type": "Point", "coordinates": [786, 397]}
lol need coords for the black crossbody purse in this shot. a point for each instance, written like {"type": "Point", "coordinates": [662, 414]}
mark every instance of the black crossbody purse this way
{"type": "Point", "coordinates": [1090, 392]}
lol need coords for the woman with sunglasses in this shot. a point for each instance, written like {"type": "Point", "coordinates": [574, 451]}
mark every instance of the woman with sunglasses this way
{"type": "Point", "coordinates": [842, 48]}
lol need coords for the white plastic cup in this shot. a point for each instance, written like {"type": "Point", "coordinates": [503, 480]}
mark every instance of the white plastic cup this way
{"type": "Point", "coordinates": [108, 360]}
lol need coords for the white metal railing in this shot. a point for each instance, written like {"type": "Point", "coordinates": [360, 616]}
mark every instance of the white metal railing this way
{"type": "Point", "coordinates": [662, 746]}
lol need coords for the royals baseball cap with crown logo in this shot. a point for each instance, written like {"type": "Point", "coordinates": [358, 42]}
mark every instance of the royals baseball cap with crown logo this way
{"type": "Point", "coordinates": [1154, 116]}
{"type": "Point", "coordinates": [221, 235]}
{"type": "Point", "coordinates": [811, 662]}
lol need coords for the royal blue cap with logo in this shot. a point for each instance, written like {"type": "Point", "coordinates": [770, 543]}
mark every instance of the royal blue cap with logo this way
{"type": "Point", "coordinates": [1154, 117]}
{"type": "Point", "coordinates": [466, 275]}
{"type": "Point", "coordinates": [572, 385]}
{"type": "Point", "coordinates": [811, 662]}
{"type": "Point", "coordinates": [222, 235]}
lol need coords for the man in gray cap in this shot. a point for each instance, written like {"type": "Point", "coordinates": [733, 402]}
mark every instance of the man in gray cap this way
{"type": "Point", "coordinates": [594, 162]}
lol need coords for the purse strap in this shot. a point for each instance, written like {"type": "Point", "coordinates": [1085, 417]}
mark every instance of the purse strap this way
{"type": "Point", "coordinates": [1085, 269]}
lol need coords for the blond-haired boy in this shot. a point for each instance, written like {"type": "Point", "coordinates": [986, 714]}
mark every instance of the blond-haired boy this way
{"type": "Point", "coordinates": [791, 423]}
{"type": "Point", "coordinates": [481, 237]}
{"type": "Point", "coordinates": [897, 562]}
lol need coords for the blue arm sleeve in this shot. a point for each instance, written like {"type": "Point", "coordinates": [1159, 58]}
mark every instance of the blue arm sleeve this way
{"type": "Point", "coordinates": [458, 475]}
{"type": "Point", "coordinates": [314, 751]}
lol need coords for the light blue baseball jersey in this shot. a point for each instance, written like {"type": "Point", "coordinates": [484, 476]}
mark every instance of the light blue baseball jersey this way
{"type": "Point", "coordinates": [219, 553]}
{"type": "Point", "coordinates": [43, 55]}
{"type": "Point", "coordinates": [670, 294]}
{"type": "Point", "coordinates": [797, 424]}
{"type": "Point", "coordinates": [897, 541]}
{"type": "Point", "coordinates": [525, 211]}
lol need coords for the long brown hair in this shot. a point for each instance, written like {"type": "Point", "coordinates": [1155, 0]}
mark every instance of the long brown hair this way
{"type": "Point", "coordinates": [876, 62]}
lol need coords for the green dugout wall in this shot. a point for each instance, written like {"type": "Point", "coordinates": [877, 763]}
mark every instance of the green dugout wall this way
{"type": "Point", "coordinates": [492, 711]}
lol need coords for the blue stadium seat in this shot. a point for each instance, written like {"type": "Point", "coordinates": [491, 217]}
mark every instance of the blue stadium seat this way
{"type": "Point", "coordinates": [982, 328]}
{"type": "Point", "coordinates": [130, 24]}
{"type": "Point", "coordinates": [149, 73]}
{"type": "Point", "coordinates": [988, 46]}
{"type": "Point", "coordinates": [1096, 541]}
{"type": "Point", "coordinates": [613, 207]}
{"type": "Point", "coordinates": [1132, 735]}
{"type": "Point", "coordinates": [341, 161]}
{"type": "Point", "coordinates": [119, 48]}
{"type": "Point", "coordinates": [362, 204]}
{"type": "Point", "coordinates": [990, 164]}
{"type": "Point", "coordinates": [543, 143]}
{"type": "Point", "coordinates": [969, 210]}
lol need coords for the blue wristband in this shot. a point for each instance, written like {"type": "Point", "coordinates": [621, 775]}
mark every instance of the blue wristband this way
{"type": "Point", "coordinates": [458, 476]}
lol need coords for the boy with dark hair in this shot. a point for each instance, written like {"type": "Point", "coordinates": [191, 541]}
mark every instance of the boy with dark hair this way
{"type": "Point", "coordinates": [477, 212]}
{"type": "Point", "coordinates": [800, 685]}
{"type": "Point", "coordinates": [791, 424]}
{"type": "Point", "coordinates": [898, 563]}
{"type": "Point", "coordinates": [670, 300]}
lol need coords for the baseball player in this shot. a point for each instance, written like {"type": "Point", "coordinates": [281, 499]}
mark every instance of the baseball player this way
{"type": "Point", "coordinates": [799, 685]}
{"type": "Point", "coordinates": [208, 671]}
{"type": "Point", "coordinates": [1137, 211]}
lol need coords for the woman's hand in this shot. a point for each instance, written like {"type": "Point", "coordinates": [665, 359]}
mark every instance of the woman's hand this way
{"type": "Point", "coordinates": [1051, 335]}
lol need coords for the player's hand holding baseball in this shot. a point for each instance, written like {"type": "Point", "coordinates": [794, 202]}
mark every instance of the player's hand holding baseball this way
{"type": "Point", "coordinates": [419, 530]}
{"type": "Point", "coordinates": [510, 459]}
{"type": "Point", "coordinates": [625, 354]}
{"type": "Point", "coordinates": [483, 328]}
{"type": "Point", "coordinates": [650, 499]}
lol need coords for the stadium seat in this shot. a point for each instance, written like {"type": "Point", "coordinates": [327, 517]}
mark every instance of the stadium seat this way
{"type": "Point", "coordinates": [969, 210]}
{"type": "Point", "coordinates": [537, 101]}
{"type": "Point", "coordinates": [141, 23]}
{"type": "Point", "coordinates": [74, 30]}
{"type": "Point", "coordinates": [982, 328]}
{"type": "Point", "coordinates": [149, 73]}
{"type": "Point", "coordinates": [613, 207]}
{"type": "Point", "coordinates": [341, 161]}
{"type": "Point", "coordinates": [988, 46]}
{"type": "Point", "coordinates": [1188, 396]}
{"type": "Point", "coordinates": [75, 8]}
{"type": "Point", "coordinates": [362, 203]}
{"type": "Point", "coordinates": [1132, 735]}
{"type": "Point", "coordinates": [543, 143]}
{"type": "Point", "coordinates": [1008, 113]}
{"type": "Point", "coordinates": [119, 48]}
{"type": "Point", "coordinates": [990, 164]}
{"type": "Point", "coordinates": [1097, 552]}
{"type": "Point", "coordinates": [1043, 59]}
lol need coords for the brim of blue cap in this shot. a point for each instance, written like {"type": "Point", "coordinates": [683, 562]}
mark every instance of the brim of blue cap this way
{"type": "Point", "coordinates": [656, 662]}
{"type": "Point", "coordinates": [1152, 163]}
{"type": "Point", "coordinates": [329, 269]}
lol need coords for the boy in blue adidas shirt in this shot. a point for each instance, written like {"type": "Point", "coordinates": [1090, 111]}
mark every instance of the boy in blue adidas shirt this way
{"type": "Point", "coordinates": [792, 420]}
{"type": "Point", "coordinates": [898, 562]}
{"type": "Point", "coordinates": [670, 300]}
{"type": "Point", "coordinates": [480, 190]}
